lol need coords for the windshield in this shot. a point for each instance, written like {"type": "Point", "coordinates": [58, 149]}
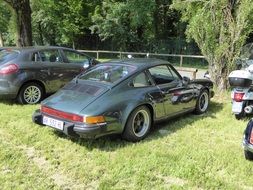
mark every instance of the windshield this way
{"type": "Point", "coordinates": [108, 73]}
{"type": "Point", "coordinates": [6, 55]}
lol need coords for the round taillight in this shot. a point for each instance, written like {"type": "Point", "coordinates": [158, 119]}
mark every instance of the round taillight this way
{"type": "Point", "coordinates": [9, 69]}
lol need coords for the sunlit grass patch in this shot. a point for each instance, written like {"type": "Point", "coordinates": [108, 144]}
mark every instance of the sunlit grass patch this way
{"type": "Point", "coordinates": [189, 152]}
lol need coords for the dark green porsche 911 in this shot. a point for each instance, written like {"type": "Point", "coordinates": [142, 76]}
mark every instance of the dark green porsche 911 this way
{"type": "Point", "coordinates": [123, 97]}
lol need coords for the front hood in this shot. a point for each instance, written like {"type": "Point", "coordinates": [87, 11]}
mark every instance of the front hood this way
{"type": "Point", "coordinates": [73, 97]}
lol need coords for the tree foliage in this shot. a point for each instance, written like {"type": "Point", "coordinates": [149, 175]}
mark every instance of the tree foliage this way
{"type": "Point", "coordinates": [62, 21]}
{"type": "Point", "coordinates": [126, 22]}
{"type": "Point", "coordinates": [4, 22]}
{"type": "Point", "coordinates": [220, 28]}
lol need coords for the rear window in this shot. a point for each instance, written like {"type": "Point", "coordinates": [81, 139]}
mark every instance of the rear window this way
{"type": "Point", "coordinates": [6, 55]}
{"type": "Point", "coordinates": [108, 73]}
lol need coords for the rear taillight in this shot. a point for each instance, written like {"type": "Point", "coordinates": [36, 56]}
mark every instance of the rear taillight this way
{"type": "Point", "coordinates": [73, 117]}
{"type": "Point", "coordinates": [9, 69]}
{"type": "Point", "coordinates": [61, 114]}
{"type": "Point", "coordinates": [238, 96]}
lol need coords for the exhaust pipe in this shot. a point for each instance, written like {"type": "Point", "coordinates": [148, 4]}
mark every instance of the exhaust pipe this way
{"type": "Point", "coordinates": [248, 109]}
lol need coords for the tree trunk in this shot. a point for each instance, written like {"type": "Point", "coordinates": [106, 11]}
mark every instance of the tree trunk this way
{"type": "Point", "coordinates": [23, 13]}
{"type": "Point", "coordinates": [219, 74]}
{"type": "Point", "coordinates": [1, 40]}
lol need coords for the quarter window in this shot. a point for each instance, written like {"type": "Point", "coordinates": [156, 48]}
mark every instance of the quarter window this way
{"type": "Point", "coordinates": [141, 80]}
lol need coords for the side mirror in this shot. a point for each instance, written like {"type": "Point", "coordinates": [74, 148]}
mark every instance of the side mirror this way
{"type": "Point", "coordinates": [186, 80]}
{"type": "Point", "coordinates": [86, 65]}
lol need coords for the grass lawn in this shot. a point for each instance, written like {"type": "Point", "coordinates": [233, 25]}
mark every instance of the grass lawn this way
{"type": "Point", "coordinates": [193, 152]}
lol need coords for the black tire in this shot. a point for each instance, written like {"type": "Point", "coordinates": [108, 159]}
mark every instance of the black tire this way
{"type": "Point", "coordinates": [138, 124]}
{"type": "Point", "coordinates": [248, 155]}
{"type": "Point", "coordinates": [202, 103]}
{"type": "Point", "coordinates": [30, 93]}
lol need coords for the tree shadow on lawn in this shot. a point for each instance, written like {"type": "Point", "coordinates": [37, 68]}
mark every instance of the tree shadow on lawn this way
{"type": "Point", "coordinates": [160, 130]}
{"type": "Point", "coordinates": [8, 102]}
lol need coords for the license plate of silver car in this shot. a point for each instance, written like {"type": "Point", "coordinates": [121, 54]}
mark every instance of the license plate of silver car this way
{"type": "Point", "coordinates": [53, 123]}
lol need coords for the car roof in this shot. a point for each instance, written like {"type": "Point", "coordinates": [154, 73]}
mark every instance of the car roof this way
{"type": "Point", "coordinates": [35, 48]}
{"type": "Point", "coordinates": [140, 63]}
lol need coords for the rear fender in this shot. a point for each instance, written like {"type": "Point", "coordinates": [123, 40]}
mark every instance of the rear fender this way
{"type": "Point", "coordinates": [131, 107]}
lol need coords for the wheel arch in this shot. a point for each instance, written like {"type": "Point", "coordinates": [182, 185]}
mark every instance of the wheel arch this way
{"type": "Point", "coordinates": [33, 81]}
{"type": "Point", "coordinates": [130, 110]}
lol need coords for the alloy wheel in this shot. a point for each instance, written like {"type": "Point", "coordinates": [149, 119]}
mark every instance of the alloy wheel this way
{"type": "Point", "coordinates": [32, 94]}
{"type": "Point", "coordinates": [141, 123]}
{"type": "Point", "coordinates": [203, 102]}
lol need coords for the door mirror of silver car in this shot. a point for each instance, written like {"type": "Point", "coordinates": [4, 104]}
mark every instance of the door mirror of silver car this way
{"type": "Point", "coordinates": [186, 80]}
{"type": "Point", "coordinates": [86, 65]}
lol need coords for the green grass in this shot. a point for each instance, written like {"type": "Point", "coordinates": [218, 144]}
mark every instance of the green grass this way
{"type": "Point", "coordinates": [193, 152]}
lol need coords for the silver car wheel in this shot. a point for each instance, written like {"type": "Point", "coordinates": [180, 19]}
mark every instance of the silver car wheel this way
{"type": "Point", "coordinates": [203, 102]}
{"type": "Point", "coordinates": [32, 94]}
{"type": "Point", "coordinates": [141, 123]}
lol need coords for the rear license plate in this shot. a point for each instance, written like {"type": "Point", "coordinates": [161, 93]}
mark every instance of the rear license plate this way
{"type": "Point", "coordinates": [237, 107]}
{"type": "Point", "coordinates": [53, 123]}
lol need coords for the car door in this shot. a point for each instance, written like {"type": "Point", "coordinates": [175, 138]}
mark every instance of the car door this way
{"type": "Point", "coordinates": [50, 66]}
{"type": "Point", "coordinates": [177, 97]}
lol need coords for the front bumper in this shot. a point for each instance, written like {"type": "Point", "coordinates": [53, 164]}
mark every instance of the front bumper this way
{"type": "Point", "coordinates": [77, 130]}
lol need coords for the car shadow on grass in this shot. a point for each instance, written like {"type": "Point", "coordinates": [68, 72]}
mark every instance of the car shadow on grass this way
{"type": "Point", "coordinates": [167, 127]}
{"type": "Point", "coordinates": [160, 130]}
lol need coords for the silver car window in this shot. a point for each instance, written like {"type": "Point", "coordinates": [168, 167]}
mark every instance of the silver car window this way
{"type": "Point", "coordinates": [73, 57]}
{"type": "Point", "coordinates": [50, 56]}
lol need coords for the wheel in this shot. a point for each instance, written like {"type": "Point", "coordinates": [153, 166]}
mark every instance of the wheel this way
{"type": "Point", "coordinates": [30, 93]}
{"type": "Point", "coordinates": [202, 102]}
{"type": "Point", "coordinates": [138, 124]}
{"type": "Point", "coordinates": [248, 155]}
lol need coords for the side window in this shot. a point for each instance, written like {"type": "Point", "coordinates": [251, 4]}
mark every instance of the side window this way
{"type": "Point", "coordinates": [73, 57]}
{"type": "Point", "coordinates": [50, 56]}
{"type": "Point", "coordinates": [162, 74]}
{"type": "Point", "coordinates": [141, 80]}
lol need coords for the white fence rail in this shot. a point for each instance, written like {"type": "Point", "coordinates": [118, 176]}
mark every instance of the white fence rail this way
{"type": "Point", "coordinates": [120, 54]}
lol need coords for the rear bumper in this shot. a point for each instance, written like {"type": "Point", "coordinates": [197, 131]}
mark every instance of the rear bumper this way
{"type": "Point", "coordinates": [77, 130]}
{"type": "Point", "coordinates": [7, 91]}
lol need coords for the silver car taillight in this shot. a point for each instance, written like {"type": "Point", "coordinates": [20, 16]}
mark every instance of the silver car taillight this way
{"type": "Point", "coordinates": [9, 69]}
